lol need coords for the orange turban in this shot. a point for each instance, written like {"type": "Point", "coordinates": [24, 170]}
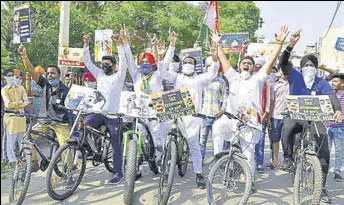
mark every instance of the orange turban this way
{"type": "Point", "coordinates": [40, 70]}
{"type": "Point", "coordinates": [149, 57]}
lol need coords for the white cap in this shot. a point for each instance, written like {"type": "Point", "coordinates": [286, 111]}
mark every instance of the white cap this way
{"type": "Point", "coordinates": [260, 61]}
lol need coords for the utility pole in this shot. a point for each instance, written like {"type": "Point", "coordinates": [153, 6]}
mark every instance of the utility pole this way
{"type": "Point", "coordinates": [64, 31]}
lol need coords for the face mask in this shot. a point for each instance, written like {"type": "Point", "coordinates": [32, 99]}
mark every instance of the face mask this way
{"type": "Point", "coordinates": [174, 67]}
{"type": "Point", "coordinates": [107, 68]}
{"type": "Point", "coordinates": [53, 82]}
{"type": "Point", "coordinates": [245, 74]}
{"type": "Point", "coordinates": [11, 81]}
{"type": "Point", "coordinates": [91, 84]}
{"type": "Point", "coordinates": [308, 75]}
{"type": "Point", "coordinates": [188, 69]}
{"type": "Point", "coordinates": [146, 69]}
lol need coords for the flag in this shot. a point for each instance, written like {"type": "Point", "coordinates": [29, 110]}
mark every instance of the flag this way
{"type": "Point", "coordinates": [209, 26]}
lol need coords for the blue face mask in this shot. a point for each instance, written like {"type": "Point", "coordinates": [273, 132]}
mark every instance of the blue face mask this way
{"type": "Point", "coordinates": [146, 69]}
{"type": "Point", "coordinates": [53, 82]}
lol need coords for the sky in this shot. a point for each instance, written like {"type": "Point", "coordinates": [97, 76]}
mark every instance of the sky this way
{"type": "Point", "coordinates": [313, 17]}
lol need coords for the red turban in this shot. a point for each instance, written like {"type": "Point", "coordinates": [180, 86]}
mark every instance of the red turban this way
{"type": "Point", "coordinates": [90, 77]}
{"type": "Point", "coordinates": [149, 57]}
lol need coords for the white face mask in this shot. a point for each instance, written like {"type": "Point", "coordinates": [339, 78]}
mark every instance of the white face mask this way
{"type": "Point", "coordinates": [245, 74]}
{"type": "Point", "coordinates": [308, 75]}
{"type": "Point", "coordinates": [188, 69]}
{"type": "Point", "coordinates": [11, 81]}
{"type": "Point", "coordinates": [91, 84]}
{"type": "Point", "coordinates": [174, 67]}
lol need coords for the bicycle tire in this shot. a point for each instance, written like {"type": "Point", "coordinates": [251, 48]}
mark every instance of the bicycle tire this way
{"type": "Point", "coordinates": [130, 172]}
{"type": "Point", "coordinates": [24, 158]}
{"type": "Point", "coordinates": [246, 171]}
{"type": "Point", "coordinates": [170, 154]}
{"type": "Point", "coordinates": [56, 169]}
{"type": "Point", "coordinates": [183, 157]}
{"type": "Point", "coordinates": [108, 162]}
{"type": "Point", "coordinates": [57, 158]}
{"type": "Point", "coordinates": [316, 196]}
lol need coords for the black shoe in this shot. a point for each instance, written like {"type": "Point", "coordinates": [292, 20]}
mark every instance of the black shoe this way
{"type": "Point", "coordinates": [200, 181]}
{"type": "Point", "coordinates": [253, 188]}
{"type": "Point", "coordinates": [287, 164]}
{"type": "Point", "coordinates": [325, 198]}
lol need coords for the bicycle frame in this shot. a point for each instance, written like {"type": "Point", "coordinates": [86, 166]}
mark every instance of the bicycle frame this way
{"type": "Point", "coordinates": [132, 135]}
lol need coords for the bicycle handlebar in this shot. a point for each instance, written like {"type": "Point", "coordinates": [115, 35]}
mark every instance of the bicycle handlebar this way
{"type": "Point", "coordinates": [22, 114]}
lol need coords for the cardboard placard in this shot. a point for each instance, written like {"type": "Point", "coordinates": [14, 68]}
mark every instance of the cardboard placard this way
{"type": "Point", "coordinates": [21, 24]}
{"type": "Point", "coordinates": [71, 57]}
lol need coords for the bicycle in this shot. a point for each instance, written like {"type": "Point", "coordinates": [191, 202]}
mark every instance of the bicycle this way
{"type": "Point", "coordinates": [21, 175]}
{"type": "Point", "coordinates": [136, 149]}
{"type": "Point", "coordinates": [176, 152]}
{"type": "Point", "coordinates": [306, 169]}
{"type": "Point", "coordinates": [72, 157]}
{"type": "Point", "coordinates": [231, 174]}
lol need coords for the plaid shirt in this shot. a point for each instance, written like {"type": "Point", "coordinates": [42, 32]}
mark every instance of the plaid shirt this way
{"type": "Point", "coordinates": [213, 97]}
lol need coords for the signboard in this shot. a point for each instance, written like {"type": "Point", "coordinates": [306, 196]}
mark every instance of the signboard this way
{"type": "Point", "coordinates": [310, 108]}
{"type": "Point", "coordinates": [84, 98]}
{"type": "Point", "coordinates": [232, 42]}
{"type": "Point", "coordinates": [331, 53]}
{"type": "Point", "coordinates": [196, 53]}
{"type": "Point", "coordinates": [21, 24]}
{"type": "Point", "coordinates": [103, 44]}
{"type": "Point", "coordinates": [173, 104]}
{"type": "Point", "coordinates": [135, 105]}
{"type": "Point", "coordinates": [340, 44]}
{"type": "Point", "coordinates": [71, 57]}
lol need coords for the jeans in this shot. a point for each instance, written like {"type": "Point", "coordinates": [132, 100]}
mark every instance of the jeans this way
{"type": "Point", "coordinates": [207, 129]}
{"type": "Point", "coordinates": [260, 146]}
{"type": "Point", "coordinates": [114, 128]}
{"type": "Point", "coordinates": [336, 135]}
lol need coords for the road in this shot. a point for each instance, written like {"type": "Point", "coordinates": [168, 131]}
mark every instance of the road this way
{"type": "Point", "coordinates": [274, 187]}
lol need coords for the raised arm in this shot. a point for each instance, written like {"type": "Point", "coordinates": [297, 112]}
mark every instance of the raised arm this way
{"type": "Point", "coordinates": [87, 58]}
{"type": "Point", "coordinates": [163, 71]}
{"type": "Point", "coordinates": [226, 64]}
{"type": "Point", "coordinates": [27, 64]}
{"type": "Point", "coordinates": [325, 68]}
{"type": "Point", "coordinates": [206, 78]}
{"type": "Point", "coordinates": [284, 63]}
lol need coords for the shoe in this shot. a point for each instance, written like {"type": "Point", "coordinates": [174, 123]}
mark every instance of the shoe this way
{"type": "Point", "coordinates": [200, 181]}
{"type": "Point", "coordinates": [69, 183]}
{"type": "Point", "coordinates": [35, 166]}
{"type": "Point", "coordinates": [260, 168]}
{"type": "Point", "coordinates": [287, 164]}
{"type": "Point", "coordinates": [253, 188]}
{"type": "Point", "coordinates": [116, 179]}
{"type": "Point", "coordinates": [138, 176]}
{"type": "Point", "coordinates": [338, 177]}
{"type": "Point", "coordinates": [325, 198]}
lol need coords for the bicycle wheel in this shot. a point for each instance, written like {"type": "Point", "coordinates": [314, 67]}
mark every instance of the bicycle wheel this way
{"type": "Point", "coordinates": [230, 181]}
{"type": "Point", "coordinates": [183, 157]}
{"type": "Point", "coordinates": [20, 178]}
{"type": "Point", "coordinates": [130, 172]}
{"type": "Point", "coordinates": [167, 175]}
{"type": "Point", "coordinates": [54, 148]}
{"type": "Point", "coordinates": [308, 181]}
{"type": "Point", "coordinates": [108, 160]}
{"type": "Point", "coordinates": [72, 161]}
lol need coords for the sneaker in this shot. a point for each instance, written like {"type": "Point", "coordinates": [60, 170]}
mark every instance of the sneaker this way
{"type": "Point", "coordinates": [287, 164]}
{"type": "Point", "coordinates": [253, 188]}
{"type": "Point", "coordinates": [69, 183]}
{"type": "Point", "coordinates": [200, 181]}
{"type": "Point", "coordinates": [117, 178]}
{"type": "Point", "coordinates": [260, 168]}
{"type": "Point", "coordinates": [338, 177]}
{"type": "Point", "coordinates": [325, 198]}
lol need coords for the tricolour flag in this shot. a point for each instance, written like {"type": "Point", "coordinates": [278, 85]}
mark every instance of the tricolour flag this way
{"type": "Point", "coordinates": [210, 25]}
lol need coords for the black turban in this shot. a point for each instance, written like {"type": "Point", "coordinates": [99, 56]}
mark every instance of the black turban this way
{"type": "Point", "coordinates": [311, 58]}
{"type": "Point", "coordinates": [8, 71]}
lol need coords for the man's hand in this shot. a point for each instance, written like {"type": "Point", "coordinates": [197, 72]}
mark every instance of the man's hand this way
{"type": "Point", "coordinates": [213, 49]}
{"type": "Point", "coordinates": [154, 40]}
{"type": "Point", "coordinates": [245, 44]}
{"type": "Point", "coordinates": [265, 116]}
{"type": "Point", "coordinates": [219, 114]}
{"type": "Point", "coordinates": [282, 35]}
{"type": "Point", "coordinates": [116, 38]}
{"type": "Point", "coordinates": [338, 116]}
{"type": "Point", "coordinates": [173, 39]}
{"type": "Point", "coordinates": [86, 40]}
{"type": "Point", "coordinates": [295, 37]}
{"type": "Point", "coordinates": [124, 34]}
{"type": "Point", "coordinates": [22, 50]}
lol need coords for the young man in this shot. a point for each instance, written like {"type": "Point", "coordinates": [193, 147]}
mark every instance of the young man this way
{"type": "Point", "coordinates": [244, 99]}
{"type": "Point", "coordinates": [307, 83]}
{"type": "Point", "coordinates": [336, 130]}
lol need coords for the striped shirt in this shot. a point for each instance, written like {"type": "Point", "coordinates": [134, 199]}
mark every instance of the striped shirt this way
{"type": "Point", "coordinates": [213, 96]}
{"type": "Point", "coordinates": [340, 96]}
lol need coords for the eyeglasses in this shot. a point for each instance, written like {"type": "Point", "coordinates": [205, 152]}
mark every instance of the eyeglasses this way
{"type": "Point", "coordinates": [52, 73]}
{"type": "Point", "coordinates": [107, 64]}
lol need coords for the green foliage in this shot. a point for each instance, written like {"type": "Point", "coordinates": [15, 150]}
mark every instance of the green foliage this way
{"type": "Point", "coordinates": [5, 58]}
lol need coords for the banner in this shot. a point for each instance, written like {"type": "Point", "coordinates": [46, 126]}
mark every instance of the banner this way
{"type": "Point", "coordinates": [310, 108]}
{"type": "Point", "coordinates": [173, 104]}
{"type": "Point", "coordinates": [103, 44]}
{"type": "Point", "coordinates": [232, 42]}
{"type": "Point", "coordinates": [340, 44]}
{"type": "Point", "coordinates": [71, 57]}
{"type": "Point", "coordinates": [135, 105]}
{"type": "Point", "coordinates": [196, 53]}
{"type": "Point", "coordinates": [21, 24]}
{"type": "Point", "coordinates": [84, 98]}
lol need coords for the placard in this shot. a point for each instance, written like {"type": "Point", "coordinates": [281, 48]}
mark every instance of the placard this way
{"type": "Point", "coordinates": [232, 42]}
{"type": "Point", "coordinates": [135, 105]}
{"type": "Point", "coordinates": [310, 108]}
{"type": "Point", "coordinates": [71, 57]}
{"type": "Point", "coordinates": [173, 104]}
{"type": "Point", "coordinates": [103, 44]}
{"type": "Point", "coordinates": [21, 24]}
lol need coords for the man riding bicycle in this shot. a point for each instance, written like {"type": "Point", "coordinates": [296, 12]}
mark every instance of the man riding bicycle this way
{"type": "Point", "coordinates": [54, 95]}
{"type": "Point", "coordinates": [307, 83]}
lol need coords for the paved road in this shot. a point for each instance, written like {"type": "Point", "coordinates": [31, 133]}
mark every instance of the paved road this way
{"type": "Point", "coordinates": [274, 187]}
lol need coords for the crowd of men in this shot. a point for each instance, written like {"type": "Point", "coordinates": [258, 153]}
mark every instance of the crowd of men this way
{"type": "Point", "coordinates": [255, 90]}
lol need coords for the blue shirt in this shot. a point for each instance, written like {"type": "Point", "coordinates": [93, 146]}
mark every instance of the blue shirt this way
{"type": "Point", "coordinates": [297, 85]}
